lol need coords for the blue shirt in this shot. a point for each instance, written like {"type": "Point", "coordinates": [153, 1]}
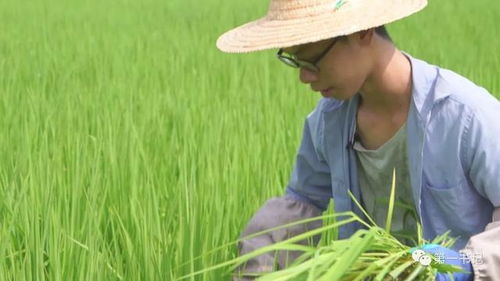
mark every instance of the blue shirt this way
{"type": "Point", "coordinates": [453, 151]}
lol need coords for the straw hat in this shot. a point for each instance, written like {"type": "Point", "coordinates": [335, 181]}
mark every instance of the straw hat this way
{"type": "Point", "coordinates": [294, 22]}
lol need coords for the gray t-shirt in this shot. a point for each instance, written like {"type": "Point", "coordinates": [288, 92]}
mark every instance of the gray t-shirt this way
{"type": "Point", "coordinates": [375, 168]}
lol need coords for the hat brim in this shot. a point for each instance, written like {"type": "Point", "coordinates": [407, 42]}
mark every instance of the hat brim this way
{"type": "Point", "coordinates": [267, 33]}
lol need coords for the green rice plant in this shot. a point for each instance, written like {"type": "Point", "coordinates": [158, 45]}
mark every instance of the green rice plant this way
{"type": "Point", "coordinates": [129, 145]}
{"type": "Point", "coordinates": [369, 254]}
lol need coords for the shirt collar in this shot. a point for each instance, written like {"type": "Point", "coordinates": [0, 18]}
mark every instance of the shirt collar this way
{"type": "Point", "coordinates": [427, 88]}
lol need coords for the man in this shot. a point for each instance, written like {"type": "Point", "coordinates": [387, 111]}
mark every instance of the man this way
{"type": "Point", "coordinates": [381, 109]}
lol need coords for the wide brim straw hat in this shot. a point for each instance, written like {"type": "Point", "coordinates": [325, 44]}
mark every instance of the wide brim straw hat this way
{"type": "Point", "coordinates": [295, 22]}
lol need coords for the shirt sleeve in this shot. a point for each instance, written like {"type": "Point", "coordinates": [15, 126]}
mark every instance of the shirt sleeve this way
{"type": "Point", "coordinates": [483, 250]}
{"type": "Point", "coordinates": [310, 180]}
{"type": "Point", "coordinates": [483, 165]}
{"type": "Point", "coordinates": [275, 212]}
{"type": "Point", "coordinates": [482, 153]}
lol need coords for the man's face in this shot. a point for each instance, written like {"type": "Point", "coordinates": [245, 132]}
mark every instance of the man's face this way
{"type": "Point", "coordinates": [342, 70]}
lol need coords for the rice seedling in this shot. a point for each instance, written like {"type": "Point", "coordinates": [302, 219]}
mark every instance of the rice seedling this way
{"type": "Point", "coordinates": [129, 145]}
{"type": "Point", "coordinates": [372, 253]}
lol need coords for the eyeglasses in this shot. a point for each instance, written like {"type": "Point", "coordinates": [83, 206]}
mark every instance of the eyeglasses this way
{"type": "Point", "coordinates": [292, 61]}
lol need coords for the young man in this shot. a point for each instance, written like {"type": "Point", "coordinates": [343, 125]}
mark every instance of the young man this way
{"type": "Point", "coordinates": [381, 109]}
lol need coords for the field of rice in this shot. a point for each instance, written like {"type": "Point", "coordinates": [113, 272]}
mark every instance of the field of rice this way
{"type": "Point", "coordinates": [129, 145]}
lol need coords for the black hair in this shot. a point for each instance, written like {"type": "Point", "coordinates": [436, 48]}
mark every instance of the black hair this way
{"type": "Point", "coordinates": [382, 31]}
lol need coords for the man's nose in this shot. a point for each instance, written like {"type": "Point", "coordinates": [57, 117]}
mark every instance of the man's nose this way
{"type": "Point", "coordinates": [307, 76]}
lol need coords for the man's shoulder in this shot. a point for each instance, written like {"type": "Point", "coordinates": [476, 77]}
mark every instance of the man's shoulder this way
{"type": "Point", "coordinates": [462, 90]}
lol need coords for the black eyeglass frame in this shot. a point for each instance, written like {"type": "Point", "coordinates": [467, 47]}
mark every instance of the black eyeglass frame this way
{"type": "Point", "coordinates": [292, 61]}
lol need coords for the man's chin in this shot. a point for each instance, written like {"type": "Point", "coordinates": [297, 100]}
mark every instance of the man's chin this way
{"type": "Point", "coordinates": [335, 94]}
{"type": "Point", "coordinates": [328, 93]}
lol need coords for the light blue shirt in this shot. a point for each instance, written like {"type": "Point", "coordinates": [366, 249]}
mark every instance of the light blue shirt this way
{"type": "Point", "coordinates": [453, 152]}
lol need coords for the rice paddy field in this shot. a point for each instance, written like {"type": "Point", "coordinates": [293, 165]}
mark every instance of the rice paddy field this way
{"type": "Point", "coordinates": [129, 145]}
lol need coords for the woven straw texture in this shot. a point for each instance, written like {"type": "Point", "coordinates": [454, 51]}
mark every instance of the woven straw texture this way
{"type": "Point", "coordinates": [295, 22]}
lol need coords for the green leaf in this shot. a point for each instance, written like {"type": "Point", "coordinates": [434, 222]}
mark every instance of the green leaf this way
{"type": "Point", "coordinates": [346, 260]}
{"type": "Point", "coordinates": [415, 273]}
{"type": "Point", "coordinates": [365, 213]}
{"type": "Point", "coordinates": [398, 270]}
{"type": "Point", "coordinates": [388, 221]}
{"type": "Point", "coordinates": [389, 264]}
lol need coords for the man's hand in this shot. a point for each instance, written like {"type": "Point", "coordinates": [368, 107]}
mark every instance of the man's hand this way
{"type": "Point", "coordinates": [451, 257]}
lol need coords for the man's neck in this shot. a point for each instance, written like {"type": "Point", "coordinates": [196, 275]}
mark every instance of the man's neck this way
{"type": "Point", "coordinates": [387, 91]}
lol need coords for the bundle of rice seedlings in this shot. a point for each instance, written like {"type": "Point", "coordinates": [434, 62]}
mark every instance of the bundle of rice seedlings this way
{"type": "Point", "coordinates": [371, 254]}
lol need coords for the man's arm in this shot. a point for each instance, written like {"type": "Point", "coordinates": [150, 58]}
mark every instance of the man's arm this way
{"type": "Point", "coordinates": [482, 156]}
{"type": "Point", "coordinates": [275, 212]}
{"type": "Point", "coordinates": [308, 194]}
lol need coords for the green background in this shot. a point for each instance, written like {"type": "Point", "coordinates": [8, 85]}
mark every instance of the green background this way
{"type": "Point", "coordinates": [130, 145]}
